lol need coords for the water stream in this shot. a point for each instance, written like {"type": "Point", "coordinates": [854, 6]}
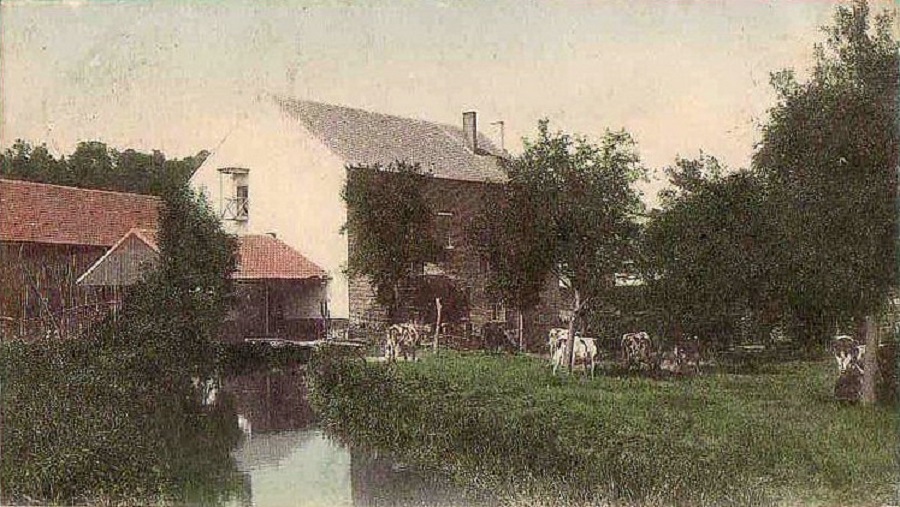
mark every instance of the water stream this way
{"type": "Point", "coordinates": [285, 459]}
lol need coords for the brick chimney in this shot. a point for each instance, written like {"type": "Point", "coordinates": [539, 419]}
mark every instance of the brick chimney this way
{"type": "Point", "coordinates": [470, 130]}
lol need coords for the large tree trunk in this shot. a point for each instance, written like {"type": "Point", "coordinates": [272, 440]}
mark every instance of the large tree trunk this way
{"type": "Point", "coordinates": [870, 363]}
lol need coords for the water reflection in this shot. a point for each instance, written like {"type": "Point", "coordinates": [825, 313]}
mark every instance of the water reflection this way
{"type": "Point", "coordinates": [295, 468]}
{"type": "Point", "coordinates": [288, 461]}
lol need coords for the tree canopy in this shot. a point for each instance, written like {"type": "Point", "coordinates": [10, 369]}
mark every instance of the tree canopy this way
{"type": "Point", "coordinates": [95, 165]}
{"type": "Point", "coordinates": [829, 154]}
{"type": "Point", "coordinates": [580, 207]}
{"type": "Point", "coordinates": [708, 253]}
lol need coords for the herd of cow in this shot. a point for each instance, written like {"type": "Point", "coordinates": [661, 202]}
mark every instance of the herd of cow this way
{"type": "Point", "coordinates": [637, 350]}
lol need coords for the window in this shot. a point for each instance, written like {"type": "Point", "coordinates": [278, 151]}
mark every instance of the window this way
{"type": "Point", "coordinates": [235, 192]}
{"type": "Point", "coordinates": [242, 204]}
{"type": "Point", "coordinates": [444, 229]}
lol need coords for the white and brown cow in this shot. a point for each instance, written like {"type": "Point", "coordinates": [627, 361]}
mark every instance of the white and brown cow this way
{"type": "Point", "coordinates": [554, 337]}
{"type": "Point", "coordinates": [401, 339]}
{"type": "Point", "coordinates": [637, 348]}
{"type": "Point", "coordinates": [848, 353]}
{"type": "Point", "coordinates": [585, 353]}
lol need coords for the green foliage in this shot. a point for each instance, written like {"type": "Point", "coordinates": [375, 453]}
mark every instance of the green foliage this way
{"type": "Point", "coordinates": [581, 195]}
{"type": "Point", "coordinates": [709, 253]}
{"type": "Point", "coordinates": [506, 234]}
{"type": "Point", "coordinates": [508, 425]}
{"type": "Point", "coordinates": [94, 165]}
{"type": "Point", "coordinates": [829, 155]}
{"type": "Point", "coordinates": [182, 303]}
{"type": "Point", "coordinates": [390, 226]}
{"type": "Point", "coordinates": [112, 416]}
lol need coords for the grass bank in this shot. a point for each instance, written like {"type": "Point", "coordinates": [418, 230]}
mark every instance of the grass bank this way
{"type": "Point", "coordinates": [720, 439]}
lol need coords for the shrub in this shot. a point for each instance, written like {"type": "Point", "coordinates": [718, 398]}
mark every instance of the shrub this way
{"type": "Point", "coordinates": [112, 416]}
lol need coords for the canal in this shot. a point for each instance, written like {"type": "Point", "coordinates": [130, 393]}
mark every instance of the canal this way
{"type": "Point", "coordinates": [286, 459]}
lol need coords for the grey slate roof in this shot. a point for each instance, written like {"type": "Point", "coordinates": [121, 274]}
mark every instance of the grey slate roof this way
{"type": "Point", "coordinates": [366, 138]}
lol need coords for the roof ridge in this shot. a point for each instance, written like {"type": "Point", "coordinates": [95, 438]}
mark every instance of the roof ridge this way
{"type": "Point", "coordinates": [81, 189]}
{"type": "Point", "coordinates": [360, 110]}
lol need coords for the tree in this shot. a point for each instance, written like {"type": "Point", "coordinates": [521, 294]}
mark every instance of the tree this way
{"type": "Point", "coordinates": [830, 154]}
{"type": "Point", "coordinates": [94, 165]}
{"type": "Point", "coordinates": [389, 224]}
{"type": "Point", "coordinates": [33, 163]}
{"type": "Point", "coordinates": [708, 253]}
{"type": "Point", "coordinates": [580, 195]}
{"type": "Point", "coordinates": [514, 245]}
{"type": "Point", "coordinates": [175, 314]}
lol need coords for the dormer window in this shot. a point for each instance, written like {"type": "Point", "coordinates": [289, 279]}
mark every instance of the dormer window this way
{"type": "Point", "coordinates": [235, 194]}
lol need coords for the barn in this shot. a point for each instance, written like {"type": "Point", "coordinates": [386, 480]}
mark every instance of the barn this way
{"type": "Point", "coordinates": [49, 235]}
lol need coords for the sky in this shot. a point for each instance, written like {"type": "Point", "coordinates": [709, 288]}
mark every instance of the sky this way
{"type": "Point", "coordinates": [680, 75]}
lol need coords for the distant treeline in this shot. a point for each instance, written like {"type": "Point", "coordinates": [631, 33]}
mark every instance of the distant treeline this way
{"type": "Point", "coordinates": [95, 165]}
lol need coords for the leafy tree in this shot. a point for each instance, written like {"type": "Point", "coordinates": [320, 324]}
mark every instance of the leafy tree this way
{"type": "Point", "coordinates": [829, 153]}
{"type": "Point", "coordinates": [183, 301]}
{"type": "Point", "coordinates": [91, 166]}
{"type": "Point", "coordinates": [515, 245]}
{"type": "Point", "coordinates": [580, 195]}
{"type": "Point", "coordinates": [390, 224]}
{"type": "Point", "coordinates": [708, 253]}
{"type": "Point", "coordinates": [112, 417]}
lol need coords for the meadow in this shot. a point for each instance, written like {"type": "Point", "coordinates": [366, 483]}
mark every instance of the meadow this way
{"type": "Point", "coordinates": [505, 424]}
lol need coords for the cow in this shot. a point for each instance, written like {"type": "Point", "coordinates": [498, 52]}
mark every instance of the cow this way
{"type": "Point", "coordinates": [496, 338]}
{"type": "Point", "coordinates": [687, 355]}
{"type": "Point", "coordinates": [848, 353]}
{"type": "Point", "coordinates": [637, 348]}
{"type": "Point", "coordinates": [585, 352]}
{"type": "Point", "coordinates": [553, 339]}
{"type": "Point", "coordinates": [401, 339]}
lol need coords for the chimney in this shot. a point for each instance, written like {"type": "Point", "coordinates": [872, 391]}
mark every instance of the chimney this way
{"type": "Point", "coordinates": [470, 130]}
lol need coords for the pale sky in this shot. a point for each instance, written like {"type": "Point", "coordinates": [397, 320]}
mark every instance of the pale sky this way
{"type": "Point", "coordinates": [680, 75]}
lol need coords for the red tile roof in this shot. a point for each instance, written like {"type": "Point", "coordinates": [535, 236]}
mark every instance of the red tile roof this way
{"type": "Point", "coordinates": [265, 257]}
{"type": "Point", "coordinates": [260, 257]}
{"type": "Point", "coordinates": [42, 213]}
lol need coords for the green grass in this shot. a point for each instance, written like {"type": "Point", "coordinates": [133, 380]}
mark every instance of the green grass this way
{"type": "Point", "coordinates": [718, 439]}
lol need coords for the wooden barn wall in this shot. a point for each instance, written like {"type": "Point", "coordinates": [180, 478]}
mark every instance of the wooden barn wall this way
{"type": "Point", "coordinates": [37, 283]}
{"type": "Point", "coordinates": [125, 265]}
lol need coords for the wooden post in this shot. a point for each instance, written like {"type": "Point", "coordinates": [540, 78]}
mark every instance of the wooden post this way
{"type": "Point", "coordinates": [521, 331]}
{"type": "Point", "coordinates": [437, 325]}
{"type": "Point", "coordinates": [870, 363]}
{"type": "Point", "coordinates": [266, 285]}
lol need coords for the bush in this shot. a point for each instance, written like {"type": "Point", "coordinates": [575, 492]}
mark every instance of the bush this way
{"type": "Point", "coordinates": [112, 416]}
